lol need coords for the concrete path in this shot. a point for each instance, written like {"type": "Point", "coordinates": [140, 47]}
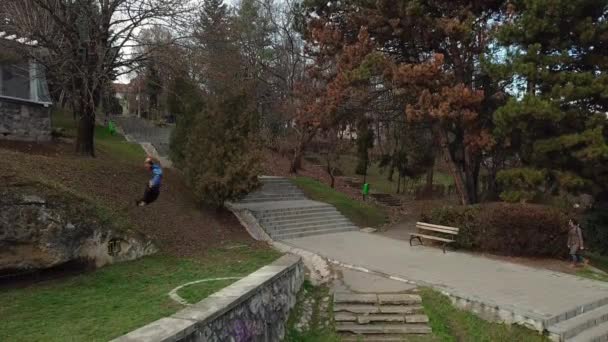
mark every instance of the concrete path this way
{"type": "Point", "coordinates": [510, 292]}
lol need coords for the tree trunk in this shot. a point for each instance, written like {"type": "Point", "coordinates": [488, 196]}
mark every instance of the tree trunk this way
{"type": "Point", "coordinates": [456, 173]}
{"type": "Point", "coordinates": [391, 171]}
{"type": "Point", "coordinates": [429, 178]}
{"type": "Point", "coordinates": [471, 168]}
{"type": "Point", "coordinates": [398, 183]}
{"type": "Point", "coordinates": [296, 160]}
{"type": "Point", "coordinates": [86, 133]}
{"type": "Point", "coordinates": [330, 172]}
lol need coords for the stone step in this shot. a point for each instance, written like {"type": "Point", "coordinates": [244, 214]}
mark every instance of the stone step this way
{"type": "Point", "coordinates": [577, 324]}
{"type": "Point", "coordinates": [283, 197]}
{"type": "Point", "coordinates": [351, 298]}
{"type": "Point", "coordinates": [383, 328]}
{"type": "Point", "coordinates": [293, 211]}
{"type": "Point", "coordinates": [277, 188]}
{"type": "Point", "coordinates": [281, 236]}
{"type": "Point", "coordinates": [274, 194]}
{"type": "Point", "coordinates": [354, 298]}
{"type": "Point", "coordinates": [272, 198]}
{"type": "Point", "coordinates": [262, 200]}
{"type": "Point", "coordinates": [271, 192]}
{"type": "Point", "coordinates": [277, 183]}
{"type": "Point", "coordinates": [348, 337]}
{"type": "Point", "coordinates": [598, 333]}
{"type": "Point", "coordinates": [376, 309]}
{"type": "Point", "coordinates": [295, 216]}
{"type": "Point", "coordinates": [295, 225]}
{"type": "Point", "coordinates": [301, 218]}
{"type": "Point", "coordinates": [283, 231]}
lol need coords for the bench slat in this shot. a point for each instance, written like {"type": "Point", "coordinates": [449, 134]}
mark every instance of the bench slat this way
{"type": "Point", "coordinates": [437, 230]}
{"type": "Point", "coordinates": [447, 228]}
{"type": "Point", "coordinates": [430, 237]}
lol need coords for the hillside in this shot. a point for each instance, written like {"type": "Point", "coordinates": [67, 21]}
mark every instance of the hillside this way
{"type": "Point", "coordinates": [115, 179]}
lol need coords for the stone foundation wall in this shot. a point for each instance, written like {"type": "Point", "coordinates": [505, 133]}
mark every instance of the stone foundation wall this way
{"type": "Point", "coordinates": [253, 309]}
{"type": "Point", "coordinates": [25, 121]}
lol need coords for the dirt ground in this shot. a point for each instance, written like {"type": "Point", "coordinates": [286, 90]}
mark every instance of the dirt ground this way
{"type": "Point", "coordinates": [180, 227]}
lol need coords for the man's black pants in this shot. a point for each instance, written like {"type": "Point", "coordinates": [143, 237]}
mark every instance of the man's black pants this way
{"type": "Point", "coordinates": [151, 194]}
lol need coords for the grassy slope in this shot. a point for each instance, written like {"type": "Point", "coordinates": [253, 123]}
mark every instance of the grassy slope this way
{"type": "Point", "coordinates": [316, 332]}
{"type": "Point", "coordinates": [361, 214]}
{"type": "Point", "coordinates": [451, 324]}
{"type": "Point", "coordinates": [118, 298]}
{"type": "Point", "coordinates": [111, 301]}
{"type": "Point", "coordinates": [447, 322]}
{"type": "Point", "coordinates": [376, 177]}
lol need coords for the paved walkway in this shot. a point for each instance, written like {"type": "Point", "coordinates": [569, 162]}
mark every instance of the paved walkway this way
{"type": "Point", "coordinates": [523, 292]}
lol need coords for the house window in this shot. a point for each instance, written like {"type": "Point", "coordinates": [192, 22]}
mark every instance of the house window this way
{"type": "Point", "coordinates": [25, 81]}
{"type": "Point", "coordinates": [15, 80]}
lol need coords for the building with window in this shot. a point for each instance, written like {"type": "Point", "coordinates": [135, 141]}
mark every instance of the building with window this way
{"type": "Point", "coordinates": [25, 103]}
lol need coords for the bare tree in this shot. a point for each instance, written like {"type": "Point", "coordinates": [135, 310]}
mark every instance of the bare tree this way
{"type": "Point", "coordinates": [88, 43]}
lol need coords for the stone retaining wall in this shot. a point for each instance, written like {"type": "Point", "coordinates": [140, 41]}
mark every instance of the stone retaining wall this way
{"type": "Point", "coordinates": [22, 120]}
{"type": "Point", "coordinates": [255, 308]}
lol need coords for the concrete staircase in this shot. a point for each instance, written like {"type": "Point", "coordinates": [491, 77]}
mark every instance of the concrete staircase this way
{"type": "Point", "coordinates": [284, 212]}
{"type": "Point", "coordinates": [386, 199]}
{"type": "Point", "coordinates": [588, 326]}
{"type": "Point", "coordinates": [379, 317]}
{"type": "Point", "coordinates": [274, 189]}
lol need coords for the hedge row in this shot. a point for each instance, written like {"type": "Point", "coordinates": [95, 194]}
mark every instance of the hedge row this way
{"type": "Point", "coordinates": [506, 229]}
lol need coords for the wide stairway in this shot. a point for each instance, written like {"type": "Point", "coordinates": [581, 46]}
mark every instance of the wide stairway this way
{"type": "Point", "coordinates": [379, 317]}
{"type": "Point", "coordinates": [590, 326]}
{"type": "Point", "coordinates": [284, 212]}
{"type": "Point", "coordinates": [274, 189]}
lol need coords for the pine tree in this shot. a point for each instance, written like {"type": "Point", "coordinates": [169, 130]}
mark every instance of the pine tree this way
{"type": "Point", "coordinates": [221, 160]}
{"type": "Point", "coordinates": [557, 127]}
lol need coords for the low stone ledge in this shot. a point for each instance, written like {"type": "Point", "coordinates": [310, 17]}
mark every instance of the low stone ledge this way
{"type": "Point", "coordinates": [254, 308]}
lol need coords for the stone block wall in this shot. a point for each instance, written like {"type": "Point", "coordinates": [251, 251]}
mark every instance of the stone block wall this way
{"type": "Point", "coordinates": [24, 121]}
{"type": "Point", "coordinates": [253, 309]}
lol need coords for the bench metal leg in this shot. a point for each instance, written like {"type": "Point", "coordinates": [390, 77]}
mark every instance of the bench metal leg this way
{"type": "Point", "coordinates": [416, 237]}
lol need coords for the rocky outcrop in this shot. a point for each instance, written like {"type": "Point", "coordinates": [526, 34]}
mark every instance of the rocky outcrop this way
{"type": "Point", "coordinates": [40, 228]}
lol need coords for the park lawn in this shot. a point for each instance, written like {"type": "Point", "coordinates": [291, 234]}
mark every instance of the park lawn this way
{"type": "Point", "coordinates": [318, 330]}
{"type": "Point", "coordinates": [598, 261]}
{"type": "Point", "coordinates": [451, 324]}
{"type": "Point", "coordinates": [116, 299]}
{"type": "Point", "coordinates": [377, 177]}
{"type": "Point", "coordinates": [196, 292]}
{"type": "Point", "coordinates": [360, 213]}
{"type": "Point", "coordinates": [114, 145]}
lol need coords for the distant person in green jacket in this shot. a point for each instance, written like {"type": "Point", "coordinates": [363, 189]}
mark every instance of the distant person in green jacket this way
{"type": "Point", "coordinates": [575, 243]}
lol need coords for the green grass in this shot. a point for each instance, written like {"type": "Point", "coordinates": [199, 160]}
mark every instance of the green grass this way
{"type": "Point", "coordinates": [316, 331]}
{"type": "Point", "coordinates": [116, 299]}
{"type": "Point", "coordinates": [196, 292]}
{"type": "Point", "coordinates": [376, 177]}
{"type": "Point", "coordinates": [360, 213]}
{"type": "Point", "coordinates": [115, 145]}
{"type": "Point", "coordinates": [598, 261]}
{"type": "Point", "coordinates": [451, 324]}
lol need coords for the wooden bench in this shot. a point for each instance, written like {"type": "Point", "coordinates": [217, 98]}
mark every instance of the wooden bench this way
{"type": "Point", "coordinates": [424, 229]}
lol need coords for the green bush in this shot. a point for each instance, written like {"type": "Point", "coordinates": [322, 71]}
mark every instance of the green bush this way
{"type": "Point", "coordinates": [506, 229]}
{"type": "Point", "coordinates": [222, 162]}
{"type": "Point", "coordinates": [595, 229]}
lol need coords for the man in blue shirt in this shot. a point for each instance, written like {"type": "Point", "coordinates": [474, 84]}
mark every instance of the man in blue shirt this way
{"type": "Point", "coordinates": [153, 186]}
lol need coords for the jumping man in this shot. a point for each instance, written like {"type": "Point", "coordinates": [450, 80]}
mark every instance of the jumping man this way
{"type": "Point", "coordinates": [153, 186]}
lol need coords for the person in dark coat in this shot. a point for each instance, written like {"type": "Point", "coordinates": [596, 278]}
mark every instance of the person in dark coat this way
{"type": "Point", "coordinates": [152, 190]}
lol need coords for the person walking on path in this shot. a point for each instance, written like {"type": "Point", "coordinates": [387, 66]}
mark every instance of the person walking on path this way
{"type": "Point", "coordinates": [153, 187]}
{"type": "Point", "coordinates": [575, 243]}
